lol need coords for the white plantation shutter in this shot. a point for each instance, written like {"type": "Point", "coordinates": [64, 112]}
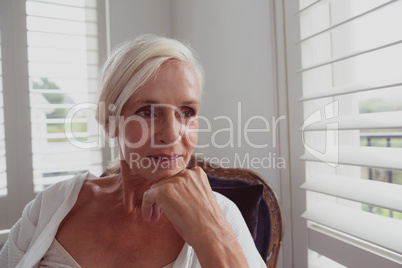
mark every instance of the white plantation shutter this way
{"type": "Point", "coordinates": [50, 54]}
{"type": "Point", "coordinates": [351, 56]}
{"type": "Point", "coordinates": [63, 68]}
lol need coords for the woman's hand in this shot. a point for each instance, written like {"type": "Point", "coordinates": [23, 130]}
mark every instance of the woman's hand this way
{"type": "Point", "coordinates": [187, 200]}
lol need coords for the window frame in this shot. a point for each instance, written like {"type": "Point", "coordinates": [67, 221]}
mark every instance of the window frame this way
{"type": "Point", "coordinates": [17, 119]}
{"type": "Point", "coordinates": [287, 60]}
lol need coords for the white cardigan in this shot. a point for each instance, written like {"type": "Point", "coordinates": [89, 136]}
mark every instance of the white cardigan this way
{"type": "Point", "coordinates": [33, 234]}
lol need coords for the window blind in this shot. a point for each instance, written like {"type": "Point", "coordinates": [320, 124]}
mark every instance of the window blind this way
{"type": "Point", "coordinates": [3, 173]}
{"type": "Point", "coordinates": [352, 99]}
{"type": "Point", "coordinates": [63, 70]}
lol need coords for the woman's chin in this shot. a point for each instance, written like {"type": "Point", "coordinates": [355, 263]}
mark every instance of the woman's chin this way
{"type": "Point", "coordinates": [158, 174]}
{"type": "Point", "coordinates": [159, 170]}
{"type": "Point", "coordinates": [166, 173]}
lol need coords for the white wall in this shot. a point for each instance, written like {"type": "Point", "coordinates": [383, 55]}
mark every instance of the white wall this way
{"type": "Point", "coordinates": [234, 40]}
{"type": "Point", "coordinates": [129, 18]}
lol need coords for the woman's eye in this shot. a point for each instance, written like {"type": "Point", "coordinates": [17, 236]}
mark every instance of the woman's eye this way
{"type": "Point", "coordinates": [146, 112]}
{"type": "Point", "coordinates": [187, 112]}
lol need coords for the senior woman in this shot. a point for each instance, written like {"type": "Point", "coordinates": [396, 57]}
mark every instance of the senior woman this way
{"type": "Point", "coordinates": [149, 211]}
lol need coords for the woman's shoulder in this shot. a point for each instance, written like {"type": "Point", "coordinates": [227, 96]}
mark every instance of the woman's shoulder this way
{"type": "Point", "coordinates": [98, 190]}
{"type": "Point", "coordinates": [54, 195]}
{"type": "Point", "coordinates": [227, 205]}
{"type": "Point", "coordinates": [65, 187]}
{"type": "Point", "coordinates": [231, 212]}
{"type": "Point", "coordinates": [95, 185]}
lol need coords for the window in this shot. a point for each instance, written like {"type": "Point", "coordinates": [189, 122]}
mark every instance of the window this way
{"type": "Point", "coordinates": [63, 69]}
{"type": "Point", "coordinates": [351, 97]}
{"type": "Point", "coordinates": [50, 61]}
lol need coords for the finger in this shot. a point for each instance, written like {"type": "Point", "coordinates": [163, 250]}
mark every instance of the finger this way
{"type": "Point", "coordinates": [156, 212]}
{"type": "Point", "coordinates": [148, 200]}
{"type": "Point", "coordinates": [150, 208]}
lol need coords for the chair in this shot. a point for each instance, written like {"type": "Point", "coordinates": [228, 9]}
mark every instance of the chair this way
{"type": "Point", "coordinates": [269, 215]}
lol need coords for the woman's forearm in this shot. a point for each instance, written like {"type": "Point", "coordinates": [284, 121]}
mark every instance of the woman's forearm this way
{"type": "Point", "coordinates": [220, 249]}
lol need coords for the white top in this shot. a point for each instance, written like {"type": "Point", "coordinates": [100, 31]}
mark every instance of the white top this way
{"type": "Point", "coordinates": [58, 257]}
{"type": "Point", "coordinates": [33, 234]}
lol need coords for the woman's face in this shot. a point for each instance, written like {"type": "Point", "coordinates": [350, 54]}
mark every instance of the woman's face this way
{"type": "Point", "coordinates": [158, 127]}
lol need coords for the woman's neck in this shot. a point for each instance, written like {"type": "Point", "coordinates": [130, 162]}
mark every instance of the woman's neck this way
{"type": "Point", "coordinates": [133, 188]}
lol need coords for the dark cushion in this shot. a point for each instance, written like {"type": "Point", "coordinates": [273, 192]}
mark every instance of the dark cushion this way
{"type": "Point", "coordinates": [246, 197]}
{"type": "Point", "coordinates": [263, 230]}
{"type": "Point", "coordinates": [253, 207]}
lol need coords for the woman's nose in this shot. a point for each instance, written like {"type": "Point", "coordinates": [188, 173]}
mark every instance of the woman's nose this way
{"type": "Point", "coordinates": [169, 131]}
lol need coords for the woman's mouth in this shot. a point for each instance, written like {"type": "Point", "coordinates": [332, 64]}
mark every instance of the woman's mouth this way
{"type": "Point", "coordinates": [165, 160]}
